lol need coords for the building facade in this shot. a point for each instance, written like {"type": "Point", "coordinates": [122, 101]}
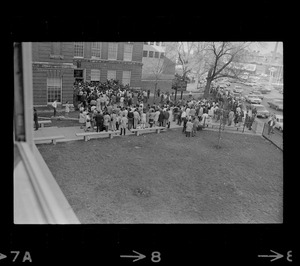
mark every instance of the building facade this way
{"type": "Point", "coordinates": [57, 65]}
{"type": "Point", "coordinates": [158, 69]}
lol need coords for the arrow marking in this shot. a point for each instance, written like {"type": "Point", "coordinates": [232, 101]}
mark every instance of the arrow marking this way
{"type": "Point", "coordinates": [2, 256]}
{"type": "Point", "coordinates": [276, 257]}
{"type": "Point", "coordinates": [138, 257]}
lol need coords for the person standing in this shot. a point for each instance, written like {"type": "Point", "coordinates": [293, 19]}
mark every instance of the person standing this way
{"type": "Point", "coordinates": [204, 119]}
{"type": "Point", "coordinates": [183, 116]}
{"type": "Point", "coordinates": [271, 124]}
{"type": "Point", "coordinates": [54, 105]}
{"type": "Point", "coordinates": [189, 128]}
{"type": "Point", "coordinates": [156, 117]}
{"type": "Point", "coordinates": [187, 111]}
{"type": "Point", "coordinates": [130, 117]}
{"type": "Point", "coordinates": [170, 117]}
{"type": "Point", "coordinates": [151, 117]}
{"type": "Point", "coordinates": [230, 117]}
{"type": "Point", "coordinates": [35, 119]}
{"type": "Point", "coordinates": [106, 121]}
{"type": "Point", "coordinates": [166, 118]}
{"type": "Point", "coordinates": [148, 94]}
{"type": "Point", "coordinates": [184, 124]}
{"type": "Point", "coordinates": [87, 122]}
{"type": "Point", "coordinates": [113, 121]}
{"type": "Point", "coordinates": [81, 119]}
{"type": "Point", "coordinates": [136, 118]}
{"type": "Point", "coordinates": [98, 104]}
{"type": "Point", "coordinates": [161, 118]}
{"type": "Point", "coordinates": [123, 124]}
{"type": "Point", "coordinates": [99, 121]}
{"type": "Point", "coordinates": [67, 109]}
{"type": "Point", "coordinates": [143, 120]}
{"type": "Point", "coordinates": [196, 123]}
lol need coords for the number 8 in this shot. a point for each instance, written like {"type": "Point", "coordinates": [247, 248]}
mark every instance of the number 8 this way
{"type": "Point", "coordinates": [155, 256]}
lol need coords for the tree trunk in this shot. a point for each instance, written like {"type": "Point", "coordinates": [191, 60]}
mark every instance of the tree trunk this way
{"type": "Point", "coordinates": [181, 95]}
{"type": "Point", "coordinates": [207, 88]}
{"type": "Point", "coordinates": [209, 80]}
{"type": "Point", "coordinates": [175, 94]}
{"type": "Point", "coordinates": [155, 91]}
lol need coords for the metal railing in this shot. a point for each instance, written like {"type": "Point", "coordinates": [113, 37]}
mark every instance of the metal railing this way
{"type": "Point", "coordinates": [273, 135]}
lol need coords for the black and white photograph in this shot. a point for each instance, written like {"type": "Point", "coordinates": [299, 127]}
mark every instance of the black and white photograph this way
{"type": "Point", "coordinates": [152, 132]}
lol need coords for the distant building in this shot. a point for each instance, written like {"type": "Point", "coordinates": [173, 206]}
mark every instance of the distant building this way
{"type": "Point", "coordinates": [56, 65]}
{"type": "Point", "coordinates": [158, 68]}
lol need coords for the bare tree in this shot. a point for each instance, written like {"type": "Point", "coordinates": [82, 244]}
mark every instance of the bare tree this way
{"type": "Point", "coordinates": [221, 59]}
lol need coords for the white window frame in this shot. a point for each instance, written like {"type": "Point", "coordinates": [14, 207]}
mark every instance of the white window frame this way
{"type": "Point", "coordinates": [77, 56]}
{"type": "Point", "coordinates": [126, 79]}
{"type": "Point", "coordinates": [111, 49]}
{"type": "Point", "coordinates": [152, 54]}
{"type": "Point", "coordinates": [97, 48]}
{"type": "Point", "coordinates": [98, 74]}
{"type": "Point", "coordinates": [128, 54]}
{"type": "Point", "coordinates": [111, 71]}
{"type": "Point", "coordinates": [53, 86]}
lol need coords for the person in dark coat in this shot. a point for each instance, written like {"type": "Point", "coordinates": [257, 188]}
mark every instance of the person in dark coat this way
{"type": "Point", "coordinates": [35, 119]}
{"type": "Point", "coordinates": [161, 118]}
{"type": "Point", "coordinates": [148, 94]}
{"type": "Point", "coordinates": [166, 118]}
{"type": "Point", "coordinates": [99, 121]}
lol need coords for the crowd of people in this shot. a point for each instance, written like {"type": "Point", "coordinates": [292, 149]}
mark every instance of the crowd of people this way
{"type": "Point", "coordinates": [111, 106]}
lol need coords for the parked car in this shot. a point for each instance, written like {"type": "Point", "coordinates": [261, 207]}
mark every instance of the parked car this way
{"type": "Point", "coordinates": [279, 122]}
{"type": "Point", "coordinates": [256, 93]}
{"type": "Point", "coordinates": [238, 89]}
{"type": "Point", "coordinates": [261, 110]}
{"type": "Point", "coordinates": [266, 89]}
{"type": "Point", "coordinates": [276, 104]}
{"type": "Point", "coordinates": [252, 99]}
{"type": "Point", "coordinates": [250, 84]}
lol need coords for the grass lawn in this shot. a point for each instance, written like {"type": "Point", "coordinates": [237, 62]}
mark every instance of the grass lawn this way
{"type": "Point", "coordinates": [168, 178]}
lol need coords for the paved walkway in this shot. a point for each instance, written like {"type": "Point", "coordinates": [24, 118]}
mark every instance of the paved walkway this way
{"type": "Point", "coordinates": [70, 132]}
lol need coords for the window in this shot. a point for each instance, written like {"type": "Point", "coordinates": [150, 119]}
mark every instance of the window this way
{"type": "Point", "coordinates": [145, 53]}
{"type": "Point", "coordinates": [53, 89]}
{"type": "Point", "coordinates": [112, 51]}
{"type": "Point", "coordinates": [111, 74]}
{"type": "Point", "coordinates": [78, 49]}
{"type": "Point", "coordinates": [95, 74]}
{"type": "Point", "coordinates": [128, 52]}
{"type": "Point", "coordinates": [145, 42]}
{"type": "Point", "coordinates": [96, 49]}
{"type": "Point", "coordinates": [162, 55]}
{"type": "Point", "coordinates": [157, 43]}
{"type": "Point", "coordinates": [151, 43]}
{"type": "Point", "coordinates": [126, 77]}
{"type": "Point", "coordinates": [156, 55]}
{"type": "Point", "coordinates": [150, 53]}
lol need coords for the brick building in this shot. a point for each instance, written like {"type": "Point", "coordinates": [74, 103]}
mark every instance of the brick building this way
{"type": "Point", "coordinates": [56, 65]}
{"type": "Point", "coordinates": [157, 67]}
